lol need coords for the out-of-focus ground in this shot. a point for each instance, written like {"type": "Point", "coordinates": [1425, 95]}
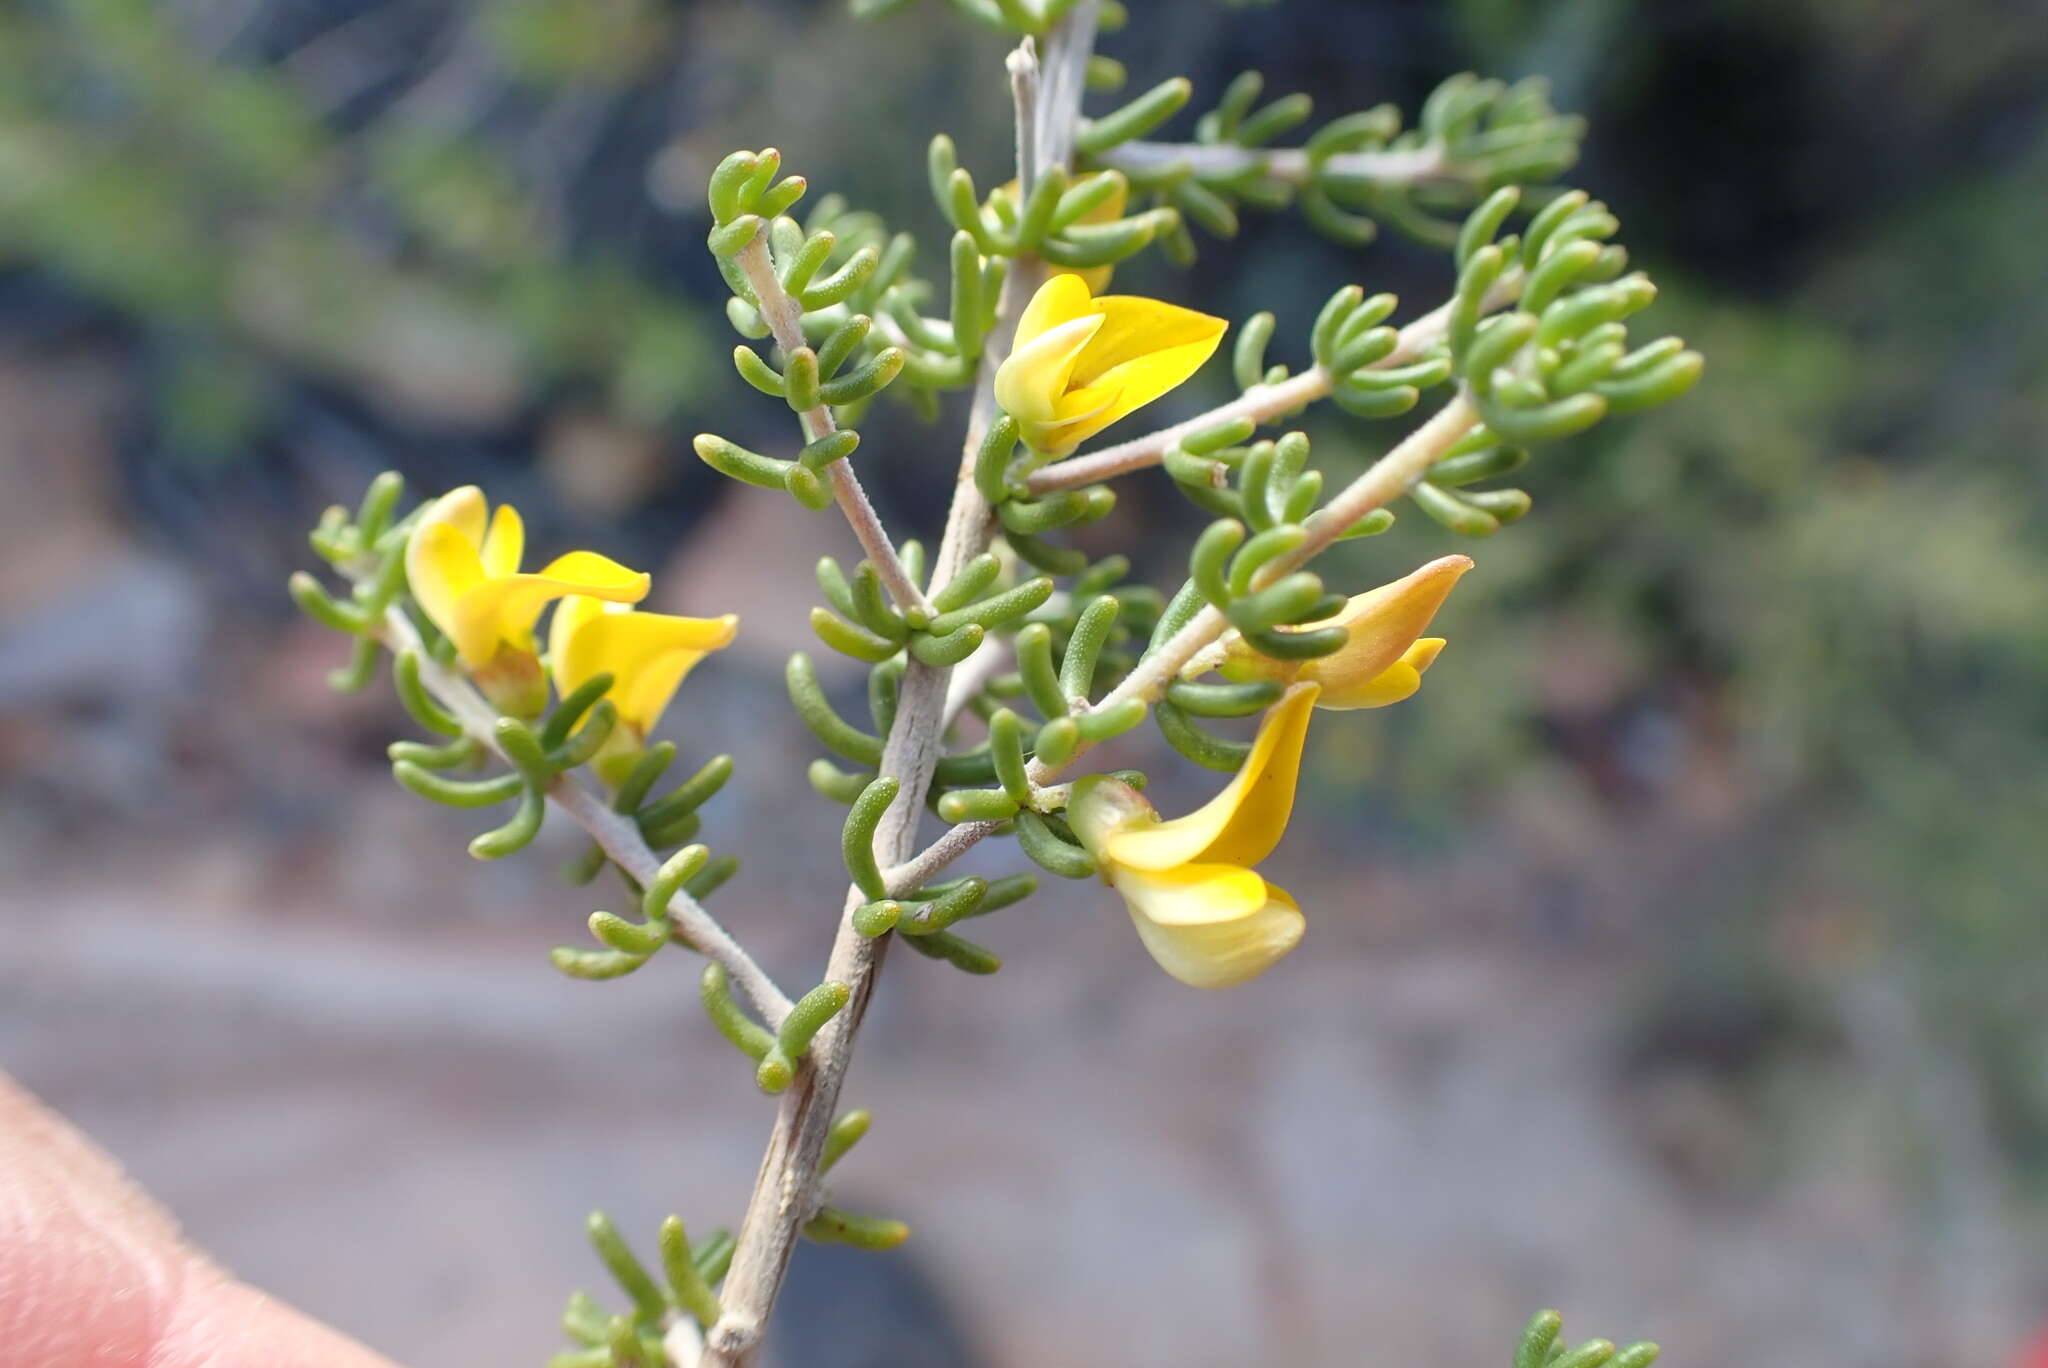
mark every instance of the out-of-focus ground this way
{"type": "Point", "coordinates": [1677, 960]}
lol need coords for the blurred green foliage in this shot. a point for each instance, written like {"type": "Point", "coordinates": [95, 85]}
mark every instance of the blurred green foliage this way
{"type": "Point", "coordinates": [408, 253]}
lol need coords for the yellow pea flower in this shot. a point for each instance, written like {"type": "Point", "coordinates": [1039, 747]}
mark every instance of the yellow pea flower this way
{"type": "Point", "coordinates": [1203, 912]}
{"type": "Point", "coordinates": [1384, 659]}
{"type": "Point", "coordinates": [1111, 208]}
{"type": "Point", "coordinates": [1080, 363]}
{"type": "Point", "coordinates": [646, 654]}
{"type": "Point", "coordinates": [463, 568]}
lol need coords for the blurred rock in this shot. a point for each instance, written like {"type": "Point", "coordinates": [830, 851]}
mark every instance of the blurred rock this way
{"type": "Point", "coordinates": [601, 467]}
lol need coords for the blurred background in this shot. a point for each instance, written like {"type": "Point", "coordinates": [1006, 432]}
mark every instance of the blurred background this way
{"type": "Point", "coordinates": [1679, 960]}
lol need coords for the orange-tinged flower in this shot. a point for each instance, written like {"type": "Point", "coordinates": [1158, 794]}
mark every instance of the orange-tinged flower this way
{"type": "Point", "coordinates": [1385, 655]}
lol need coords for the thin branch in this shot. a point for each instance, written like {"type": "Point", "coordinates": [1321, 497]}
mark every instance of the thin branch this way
{"type": "Point", "coordinates": [1387, 479]}
{"type": "Point", "coordinates": [921, 868]}
{"type": "Point", "coordinates": [1260, 403]}
{"type": "Point", "coordinates": [1397, 167]}
{"type": "Point", "coordinates": [785, 320]}
{"type": "Point", "coordinates": [614, 832]}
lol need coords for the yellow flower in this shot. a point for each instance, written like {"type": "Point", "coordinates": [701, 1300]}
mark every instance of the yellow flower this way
{"type": "Point", "coordinates": [1383, 660]}
{"type": "Point", "coordinates": [1111, 208]}
{"type": "Point", "coordinates": [465, 576]}
{"type": "Point", "coordinates": [1081, 363]}
{"type": "Point", "coordinates": [1208, 918]}
{"type": "Point", "coordinates": [646, 654]}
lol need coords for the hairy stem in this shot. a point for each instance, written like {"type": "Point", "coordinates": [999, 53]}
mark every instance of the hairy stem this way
{"type": "Point", "coordinates": [784, 318]}
{"type": "Point", "coordinates": [1394, 167]}
{"type": "Point", "coordinates": [614, 832]}
{"type": "Point", "coordinates": [785, 1190]}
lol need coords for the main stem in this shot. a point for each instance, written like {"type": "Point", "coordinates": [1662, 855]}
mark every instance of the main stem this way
{"type": "Point", "coordinates": [1048, 103]}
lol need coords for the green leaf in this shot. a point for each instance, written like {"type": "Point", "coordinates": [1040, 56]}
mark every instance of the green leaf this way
{"type": "Point", "coordinates": [746, 1035]}
{"type": "Point", "coordinates": [817, 714]}
{"type": "Point", "coordinates": [857, 835]}
{"type": "Point", "coordinates": [1136, 119]}
{"type": "Point", "coordinates": [1084, 646]}
{"type": "Point", "coordinates": [461, 793]}
{"type": "Point", "coordinates": [685, 1280]}
{"type": "Point", "coordinates": [808, 1016]}
{"type": "Point", "coordinates": [626, 1268]}
{"type": "Point", "coordinates": [962, 954]}
{"type": "Point", "coordinates": [1048, 850]}
{"type": "Point", "coordinates": [833, 1226]}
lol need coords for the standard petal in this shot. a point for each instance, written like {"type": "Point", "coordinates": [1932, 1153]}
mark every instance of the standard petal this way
{"type": "Point", "coordinates": [1062, 299]}
{"type": "Point", "coordinates": [1134, 327]}
{"type": "Point", "coordinates": [505, 543]}
{"type": "Point", "coordinates": [1211, 926]}
{"type": "Point", "coordinates": [1398, 681]}
{"type": "Point", "coordinates": [1141, 381]}
{"type": "Point", "coordinates": [1243, 823]}
{"type": "Point", "coordinates": [442, 566]}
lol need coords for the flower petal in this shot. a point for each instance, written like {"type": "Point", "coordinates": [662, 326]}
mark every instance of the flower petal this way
{"type": "Point", "coordinates": [1383, 623]}
{"type": "Point", "coordinates": [1062, 299]}
{"type": "Point", "coordinates": [1210, 926]}
{"type": "Point", "coordinates": [1138, 382]}
{"type": "Point", "coordinates": [647, 654]}
{"type": "Point", "coordinates": [1031, 381]}
{"type": "Point", "coordinates": [587, 572]}
{"type": "Point", "coordinates": [1243, 823]}
{"type": "Point", "coordinates": [570, 664]}
{"type": "Point", "coordinates": [1191, 895]}
{"type": "Point", "coordinates": [502, 609]}
{"type": "Point", "coordinates": [441, 566]}
{"type": "Point", "coordinates": [463, 509]}
{"type": "Point", "coordinates": [1398, 681]}
{"type": "Point", "coordinates": [1079, 405]}
{"type": "Point", "coordinates": [505, 543]}
{"type": "Point", "coordinates": [1135, 328]}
